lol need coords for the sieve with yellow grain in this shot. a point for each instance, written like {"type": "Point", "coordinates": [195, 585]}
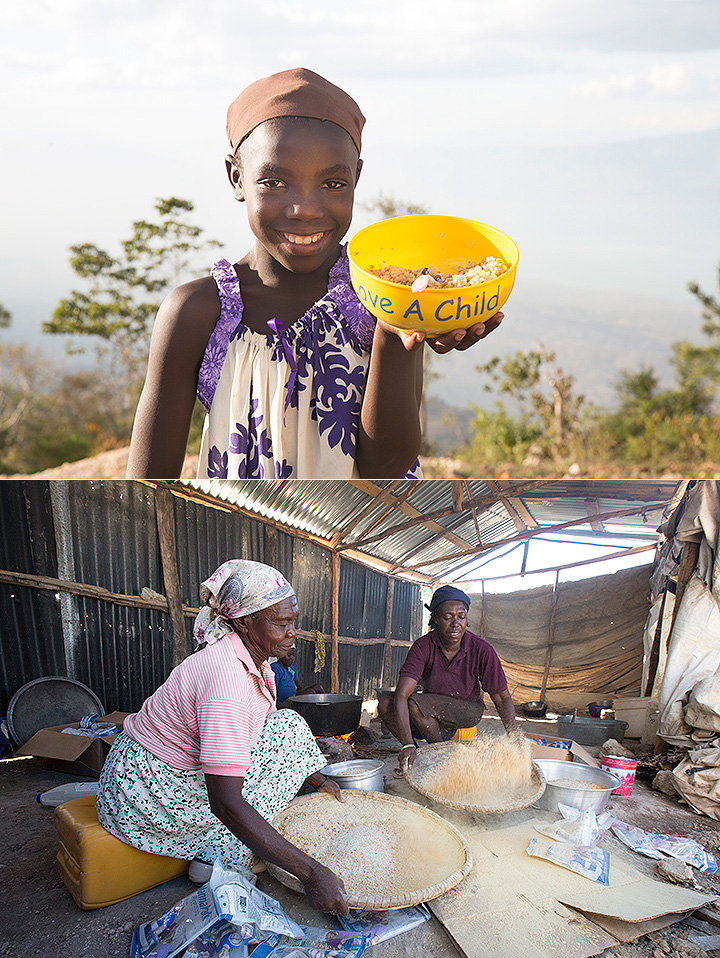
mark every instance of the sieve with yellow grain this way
{"type": "Point", "coordinates": [389, 852]}
{"type": "Point", "coordinates": [490, 774]}
{"type": "Point", "coordinates": [432, 273]}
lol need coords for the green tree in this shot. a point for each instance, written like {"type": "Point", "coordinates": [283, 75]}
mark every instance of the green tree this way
{"type": "Point", "coordinates": [5, 317]}
{"type": "Point", "coordinates": [697, 368]}
{"type": "Point", "coordinates": [123, 293]}
{"type": "Point", "coordinates": [543, 418]}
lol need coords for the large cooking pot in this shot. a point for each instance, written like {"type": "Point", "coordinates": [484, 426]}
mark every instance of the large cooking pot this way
{"type": "Point", "coordinates": [590, 731]}
{"type": "Point", "coordinates": [329, 713]}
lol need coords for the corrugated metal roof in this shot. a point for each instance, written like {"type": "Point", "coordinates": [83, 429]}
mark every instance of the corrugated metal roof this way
{"type": "Point", "coordinates": [432, 530]}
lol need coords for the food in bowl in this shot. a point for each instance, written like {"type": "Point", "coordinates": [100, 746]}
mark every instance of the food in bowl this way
{"type": "Point", "coordinates": [574, 783]}
{"type": "Point", "coordinates": [430, 277]}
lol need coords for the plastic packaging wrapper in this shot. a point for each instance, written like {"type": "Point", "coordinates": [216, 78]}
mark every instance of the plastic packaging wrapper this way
{"type": "Point", "coordinates": [204, 921]}
{"type": "Point", "coordinates": [377, 926]}
{"type": "Point", "coordinates": [577, 826]}
{"type": "Point", "coordinates": [686, 850]}
{"type": "Point", "coordinates": [592, 863]}
{"type": "Point", "coordinates": [244, 904]}
{"type": "Point", "coordinates": [636, 839]}
{"type": "Point", "coordinates": [652, 845]}
{"type": "Point", "coordinates": [91, 728]}
{"type": "Point", "coordinates": [223, 940]}
{"type": "Point", "coordinates": [558, 744]}
{"type": "Point", "coordinates": [316, 943]}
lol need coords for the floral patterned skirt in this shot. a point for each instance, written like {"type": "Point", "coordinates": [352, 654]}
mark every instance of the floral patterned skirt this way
{"type": "Point", "coordinates": [166, 811]}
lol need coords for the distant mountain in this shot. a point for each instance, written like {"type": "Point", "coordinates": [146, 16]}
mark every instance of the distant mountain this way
{"type": "Point", "coordinates": [447, 427]}
{"type": "Point", "coordinates": [594, 335]}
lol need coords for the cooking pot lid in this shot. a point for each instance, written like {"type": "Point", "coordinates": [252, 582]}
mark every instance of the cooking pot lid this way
{"type": "Point", "coordinates": [48, 701]}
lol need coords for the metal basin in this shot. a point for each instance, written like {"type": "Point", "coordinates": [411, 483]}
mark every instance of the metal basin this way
{"type": "Point", "coordinates": [534, 709]}
{"type": "Point", "coordinates": [48, 701]}
{"type": "Point", "coordinates": [579, 797]}
{"type": "Point", "coordinates": [328, 713]}
{"type": "Point", "coordinates": [365, 774]}
{"type": "Point", "coordinates": [590, 731]}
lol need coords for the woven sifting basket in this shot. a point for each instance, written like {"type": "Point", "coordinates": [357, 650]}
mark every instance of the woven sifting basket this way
{"type": "Point", "coordinates": [430, 756]}
{"type": "Point", "coordinates": [310, 816]}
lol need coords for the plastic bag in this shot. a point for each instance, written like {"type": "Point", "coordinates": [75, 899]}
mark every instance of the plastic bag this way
{"type": "Point", "coordinates": [592, 863]}
{"type": "Point", "coordinates": [201, 920]}
{"type": "Point", "coordinates": [316, 943]}
{"type": "Point", "coordinates": [636, 839]}
{"type": "Point", "coordinates": [245, 905]}
{"type": "Point", "coordinates": [577, 826]}
{"type": "Point", "coordinates": [686, 850]}
{"type": "Point", "coordinates": [377, 926]}
{"type": "Point", "coordinates": [653, 845]}
{"type": "Point", "coordinates": [223, 940]}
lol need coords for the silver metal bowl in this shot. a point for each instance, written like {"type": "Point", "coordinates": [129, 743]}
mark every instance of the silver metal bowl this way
{"type": "Point", "coordinates": [581, 798]}
{"type": "Point", "coordinates": [365, 774]}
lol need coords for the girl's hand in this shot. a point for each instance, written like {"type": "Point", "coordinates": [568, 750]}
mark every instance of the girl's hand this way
{"type": "Point", "coordinates": [454, 339]}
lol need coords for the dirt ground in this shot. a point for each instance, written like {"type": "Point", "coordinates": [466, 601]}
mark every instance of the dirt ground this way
{"type": "Point", "coordinates": [112, 464]}
{"type": "Point", "coordinates": [41, 919]}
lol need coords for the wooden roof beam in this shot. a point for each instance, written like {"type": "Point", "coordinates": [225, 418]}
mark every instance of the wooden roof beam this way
{"type": "Point", "coordinates": [517, 510]}
{"type": "Point", "coordinates": [478, 502]}
{"type": "Point", "coordinates": [417, 518]}
{"type": "Point", "coordinates": [541, 530]}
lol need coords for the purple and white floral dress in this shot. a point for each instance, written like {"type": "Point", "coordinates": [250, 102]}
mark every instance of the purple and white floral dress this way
{"type": "Point", "coordinates": [285, 404]}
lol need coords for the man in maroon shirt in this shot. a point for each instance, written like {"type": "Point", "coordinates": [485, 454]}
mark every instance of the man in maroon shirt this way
{"type": "Point", "coordinates": [455, 666]}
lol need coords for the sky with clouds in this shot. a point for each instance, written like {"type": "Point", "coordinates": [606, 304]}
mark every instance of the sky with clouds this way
{"type": "Point", "coordinates": [589, 131]}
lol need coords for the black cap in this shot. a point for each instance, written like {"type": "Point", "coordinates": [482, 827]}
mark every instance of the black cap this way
{"type": "Point", "coordinates": [447, 593]}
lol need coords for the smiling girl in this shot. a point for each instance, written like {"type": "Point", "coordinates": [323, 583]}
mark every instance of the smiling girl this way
{"type": "Point", "coordinates": [298, 379]}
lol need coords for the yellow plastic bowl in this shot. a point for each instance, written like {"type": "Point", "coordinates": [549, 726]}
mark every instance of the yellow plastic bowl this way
{"type": "Point", "coordinates": [445, 242]}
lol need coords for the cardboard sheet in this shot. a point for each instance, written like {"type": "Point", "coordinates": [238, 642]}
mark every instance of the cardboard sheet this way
{"type": "Point", "coordinates": [513, 904]}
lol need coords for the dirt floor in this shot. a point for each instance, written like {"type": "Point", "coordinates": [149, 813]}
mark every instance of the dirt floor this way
{"type": "Point", "coordinates": [42, 919]}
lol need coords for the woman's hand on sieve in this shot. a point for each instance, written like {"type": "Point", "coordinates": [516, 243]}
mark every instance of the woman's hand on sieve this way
{"type": "Point", "coordinates": [407, 759]}
{"type": "Point", "coordinates": [325, 891]}
{"type": "Point", "coordinates": [332, 788]}
{"type": "Point", "coordinates": [460, 339]}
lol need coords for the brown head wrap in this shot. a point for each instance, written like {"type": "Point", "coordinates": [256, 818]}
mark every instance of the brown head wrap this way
{"type": "Point", "coordinates": [297, 92]}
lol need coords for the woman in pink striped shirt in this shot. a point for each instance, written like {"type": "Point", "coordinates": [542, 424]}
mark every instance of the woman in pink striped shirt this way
{"type": "Point", "coordinates": [204, 765]}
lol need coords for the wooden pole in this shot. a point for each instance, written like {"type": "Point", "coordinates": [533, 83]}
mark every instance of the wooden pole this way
{"type": "Point", "coordinates": [688, 564]}
{"type": "Point", "coordinates": [334, 654]}
{"type": "Point", "coordinates": [387, 670]}
{"type": "Point", "coordinates": [165, 518]}
{"type": "Point", "coordinates": [551, 639]}
{"type": "Point", "coordinates": [655, 650]}
{"type": "Point", "coordinates": [482, 612]}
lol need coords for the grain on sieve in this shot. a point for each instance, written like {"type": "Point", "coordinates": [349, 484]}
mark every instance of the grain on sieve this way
{"type": "Point", "coordinates": [376, 856]}
{"type": "Point", "coordinates": [491, 772]}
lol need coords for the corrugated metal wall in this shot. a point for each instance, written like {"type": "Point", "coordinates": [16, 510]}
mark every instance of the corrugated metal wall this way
{"type": "Point", "coordinates": [30, 626]}
{"type": "Point", "coordinates": [105, 534]}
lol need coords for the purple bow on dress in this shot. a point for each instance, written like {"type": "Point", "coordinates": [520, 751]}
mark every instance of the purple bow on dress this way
{"type": "Point", "coordinates": [281, 330]}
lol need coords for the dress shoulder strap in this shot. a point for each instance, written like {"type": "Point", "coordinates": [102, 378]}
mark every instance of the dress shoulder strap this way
{"type": "Point", "coordinates": [231, 309]}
